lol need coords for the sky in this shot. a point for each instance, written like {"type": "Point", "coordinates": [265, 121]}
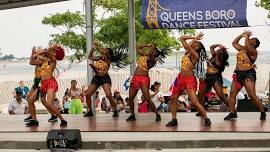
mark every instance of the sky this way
{"type": "Point", "coordinates": [21, 28]}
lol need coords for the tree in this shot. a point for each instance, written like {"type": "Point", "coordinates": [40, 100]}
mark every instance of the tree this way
{"type": "Point", "coordinates": [111, 31]}
{"type": "Point", "coordinates": [8, 57]}
{"type": "Point", "coordinates": [265, 4]}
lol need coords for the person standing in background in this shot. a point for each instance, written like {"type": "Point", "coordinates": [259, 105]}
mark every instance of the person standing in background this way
{"type": "Point", "coordinates": [22, 88]}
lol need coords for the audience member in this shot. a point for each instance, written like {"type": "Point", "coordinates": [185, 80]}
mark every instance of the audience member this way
{"type": "Point", "coordinates": [18, 105]}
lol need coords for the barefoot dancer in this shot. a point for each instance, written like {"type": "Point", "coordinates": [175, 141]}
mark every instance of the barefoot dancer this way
{"type": "Point", "coordinates": [245, 74]}
{"type": "Point", "coordinates": [102, 78]}
{"type": "Point", "coordinates": [214, 79]}
{"type": "Point", "coordinates": [141, 80]}
{"type": "Point", "coordinates": [195, 54]}
{"type": "Point", "coordinates": [49, 85]}
{"type": "Point", "coordinates": [36, 56]}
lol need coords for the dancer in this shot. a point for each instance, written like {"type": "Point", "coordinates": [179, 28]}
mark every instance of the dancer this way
{"type": "Point", "coordinates": [214, 79]}
{"type": "Point", "coordinates": [34, 93]}
{"type": "Point", "coordinates": [102, 78]}
{"type": "Point", "coordinates": [49, 85]}
{"type": "Point", "coordinates": [141, 80]}
{"type": "Point", "coordinates": [245, 74]}
{"type": "Point", "coordinates": [195, 54]}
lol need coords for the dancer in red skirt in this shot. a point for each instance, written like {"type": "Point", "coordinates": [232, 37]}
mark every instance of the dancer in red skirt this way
{"type": "Point", "coordinates": [195, 53]}
{"type": "Point", "coordinates": [141, 80]}
{"type": "Point", "coordinates": [49, 85]}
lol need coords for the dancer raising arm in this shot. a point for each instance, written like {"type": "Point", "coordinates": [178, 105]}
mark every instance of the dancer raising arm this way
{"type": "Point", "coordinates": [102, 78]}
{"type": "Point", "coordinates": [49, 85]}
{"type": "Point", "coordinates": [245, 74]}
{"type": "Point", "coordinates": [195, 54]}
{"type": "Point", "coordinates": [38, 55]}
{"type": "Point", "coordinates": [214, 79]}
{"type": "Point", "coordinates": [141, 80]}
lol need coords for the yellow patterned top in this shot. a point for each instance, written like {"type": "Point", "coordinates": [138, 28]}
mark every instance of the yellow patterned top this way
{"type": "Point", "coordinates": [242, 59]}
{"type": "Point", "coordinates": [142, 63]}
{"type": "Point", "coordinates": [211, 69]}
{"type": "Point", "coordinates": [101, 66]}
{"type": "Point", "coordinates": [38, 68]}
{"type": "Point", "coordinates": [46, 69]}
{"type": "Point", "coordinates": [186, 63]}
{"type": "Point", "coordinates": [37, 72]}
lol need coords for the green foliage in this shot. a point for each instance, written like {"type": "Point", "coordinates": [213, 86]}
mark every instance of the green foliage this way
{"type": "Point", "coordinates": [7, 57]}
{"type": "Point", "coordinates": [265, 4]}
{"type": "Point", "coordinates": [111, 32]}
{"type": "Point", "coordinates": [68, 20]}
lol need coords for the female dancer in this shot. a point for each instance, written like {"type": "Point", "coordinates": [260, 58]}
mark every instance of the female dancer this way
{"type": "Point", "coordinates": [36, 56]}
{"type": "Point", "coordinates": [195, 54]}
{"type": "Point", "coordinates": [76, 106]}
{"type": "Point", "coordinates": [215, 67]}
{"type": "Point", "coordinates": [245, 74]}
{"type": "Point", "coordinates": [141, 80]}
{"type": "Point", "coordinates": [49, 85]}
{"type": "Point", "coordinates": [102, 78]}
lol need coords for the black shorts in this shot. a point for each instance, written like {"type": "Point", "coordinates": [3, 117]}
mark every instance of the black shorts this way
{"type": "Point", "coordinates": [36, 86]}
{"type": "Point", "coordinates": [241, 76]}
{"type": "Point", "coordinates": [36, 83]}
{"type": "Point", "coordinates": [101, 80]}
{"type": "Point", "coordinates": [211, 79]}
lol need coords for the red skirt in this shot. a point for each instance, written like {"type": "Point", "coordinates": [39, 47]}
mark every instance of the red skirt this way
{"type": "Point", "coordinates": [48, 84]}
{"type": "Point", "coordinates": [185, 82]}
{"type": "Point", "coordinates": [238, 84]}
{"type": "Point", "coordinates": [139, 80]}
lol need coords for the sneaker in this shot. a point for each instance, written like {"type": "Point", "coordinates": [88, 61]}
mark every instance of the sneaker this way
{"type": "Point", "coordinates": [28, 119]}
{"type": "Point", "coordinates": [131, 118]}
{"type": "Point", "coordinates": [207, 122]}
{"type": "Point", "coordinates": [198, 114]}
{"type": "Point", "coordinates": [53, 118]}
{"type": "Point", "coordinates": [89, 114]}
{"type": "Point", "coordinates": [231, 116]}
{"type": "Point", "coordinates": [263, 116]}
{"type": "Point", "coordinates": [32, 123]}
{"type": "Point", "coordinates": [158, 118]}
{"type": "Point", "coordinates": [172, 123]}
{"type": "Point", "coordinates": [115, 114]}
{"type": "Point", "coordinates": [63, 123]}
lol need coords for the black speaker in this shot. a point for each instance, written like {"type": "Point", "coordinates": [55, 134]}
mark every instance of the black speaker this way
{"type": "Point", "coordinates": [64, 139]}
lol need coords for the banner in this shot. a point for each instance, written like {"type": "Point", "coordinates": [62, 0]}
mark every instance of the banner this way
{"type": "Point", "coordinates": [193, 14]}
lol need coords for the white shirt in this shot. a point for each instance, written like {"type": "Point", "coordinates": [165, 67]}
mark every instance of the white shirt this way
{"type": "Point", "coordinates": [17, 108]}
{"type": "Point", "coordinates": [156, 100]}
{"type": "Point", "coordinates": [182, 98]}
{"type": "Point", "coordinates": [240, 96]}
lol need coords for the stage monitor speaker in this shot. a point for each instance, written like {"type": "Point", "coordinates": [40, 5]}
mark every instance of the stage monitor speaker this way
{"type": "Point", "coordinates": [64, 139]}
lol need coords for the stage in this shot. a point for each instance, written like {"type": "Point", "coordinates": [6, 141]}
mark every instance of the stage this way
{"type": "Point", "coordinates": [187, 122]}
{"type": "Point", "coordinates": [105, 132]}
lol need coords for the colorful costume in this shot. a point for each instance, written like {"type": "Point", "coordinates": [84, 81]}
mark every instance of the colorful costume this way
{"type": "Point", "coordinates": [185, 82]}
{"type": "Point", "coordinates": [213, 75]}
{"type": "Point", "coordinates": [139, 80]}
{"type": "Point", "coordinates": [240, 76]}
{"type": "Point", "coordinates": [47, 70]}
{"type": "Point", "coordinates": [101, 67]}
